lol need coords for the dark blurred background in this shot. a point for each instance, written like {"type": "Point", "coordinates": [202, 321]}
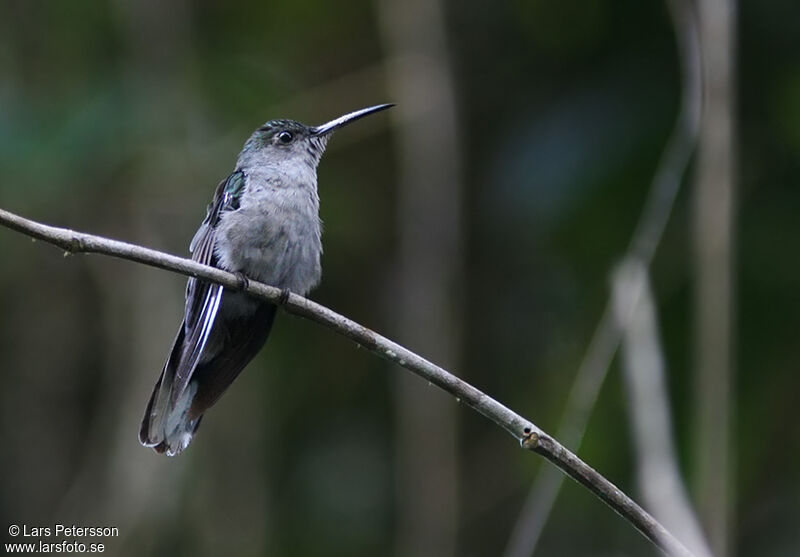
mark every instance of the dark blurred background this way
{"type": "Point", "coordinates": [476, 223]}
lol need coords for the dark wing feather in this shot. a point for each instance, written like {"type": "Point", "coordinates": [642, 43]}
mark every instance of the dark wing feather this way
{"type": "Point", "coordinates": [244, 338]}
{"type": "Point", "coordinates": [202, 298]}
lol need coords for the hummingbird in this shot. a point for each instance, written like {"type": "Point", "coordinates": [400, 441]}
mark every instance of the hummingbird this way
{"type": "Point", "coordinates": [263, 224]}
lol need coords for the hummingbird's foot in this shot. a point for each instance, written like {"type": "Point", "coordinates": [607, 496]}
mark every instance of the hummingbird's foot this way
{"type": "Point", "coordinates": [284, 297]}
{"type": "Point", "coordinates": [244, 282]}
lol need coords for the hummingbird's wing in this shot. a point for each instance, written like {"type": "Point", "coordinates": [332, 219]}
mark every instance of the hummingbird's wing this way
{"type": "Point", "coordinates": [203, 298]}
{"type": "Point", "coordinates": [241, 337]}
{"type": "Point", "coordinates": [244, 337]}
{"type": "Point", "coordinates": [166, 425]}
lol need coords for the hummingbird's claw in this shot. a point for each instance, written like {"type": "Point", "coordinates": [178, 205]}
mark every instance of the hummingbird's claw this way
{"type": "Point", "coordinates": [284, 297]}
{"type": "Point", "coordinates": [244, 282]}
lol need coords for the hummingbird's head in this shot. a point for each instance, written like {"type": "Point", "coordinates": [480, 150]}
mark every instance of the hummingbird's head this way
{"type": "Point", "coordinates": [279, 142]}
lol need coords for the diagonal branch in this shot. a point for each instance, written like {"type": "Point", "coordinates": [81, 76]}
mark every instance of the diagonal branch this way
{"type": "Point", "coordinates": [529, 435]}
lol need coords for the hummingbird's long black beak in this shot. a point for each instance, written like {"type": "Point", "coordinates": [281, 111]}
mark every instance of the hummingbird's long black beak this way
{"type": "Point", "coordinates": [348, 118]}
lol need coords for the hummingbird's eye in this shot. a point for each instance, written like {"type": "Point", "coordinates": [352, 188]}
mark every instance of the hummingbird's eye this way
{"type": "Point", "coordinates": [285, 137]}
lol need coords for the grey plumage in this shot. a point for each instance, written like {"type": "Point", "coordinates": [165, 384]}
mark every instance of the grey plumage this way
{"type": "Point", "coordinates": [263, 223]}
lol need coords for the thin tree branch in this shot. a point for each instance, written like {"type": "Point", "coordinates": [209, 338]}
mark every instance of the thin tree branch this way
{"type": "Point", "coordinates": [528, 434]}
{"type": "Point", "coordinates": [645, 240]}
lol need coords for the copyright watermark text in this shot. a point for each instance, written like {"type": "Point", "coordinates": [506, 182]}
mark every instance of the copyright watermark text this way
{"type": "Point", "coordinates": [59, 538]}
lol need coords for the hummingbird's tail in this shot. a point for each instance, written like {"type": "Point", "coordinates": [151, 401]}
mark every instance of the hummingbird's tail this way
{"type": "Point", "coordinates": [169, 429]}
{"type": "Point", "coordinates": [174, 411]}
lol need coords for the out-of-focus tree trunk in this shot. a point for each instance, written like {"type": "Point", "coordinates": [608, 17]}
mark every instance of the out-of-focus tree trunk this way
{"type": "Point", "coordinates": [428, 313]}
{"type": "Point", "coordinates": [142, 490]}
{"type": "Point", "coordinates": [714, 317]}
{"type": "Point", "coordinates": [644, 371]}
{"type": "Point", "coordinates": [140, 315]}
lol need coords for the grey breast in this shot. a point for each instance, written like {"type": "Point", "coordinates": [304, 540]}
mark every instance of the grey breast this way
{"type": "Point", "coordinates": [275, 235]}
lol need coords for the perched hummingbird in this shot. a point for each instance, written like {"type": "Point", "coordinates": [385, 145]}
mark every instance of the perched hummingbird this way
{"type": "Point", "coordinates": [263, 224]}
